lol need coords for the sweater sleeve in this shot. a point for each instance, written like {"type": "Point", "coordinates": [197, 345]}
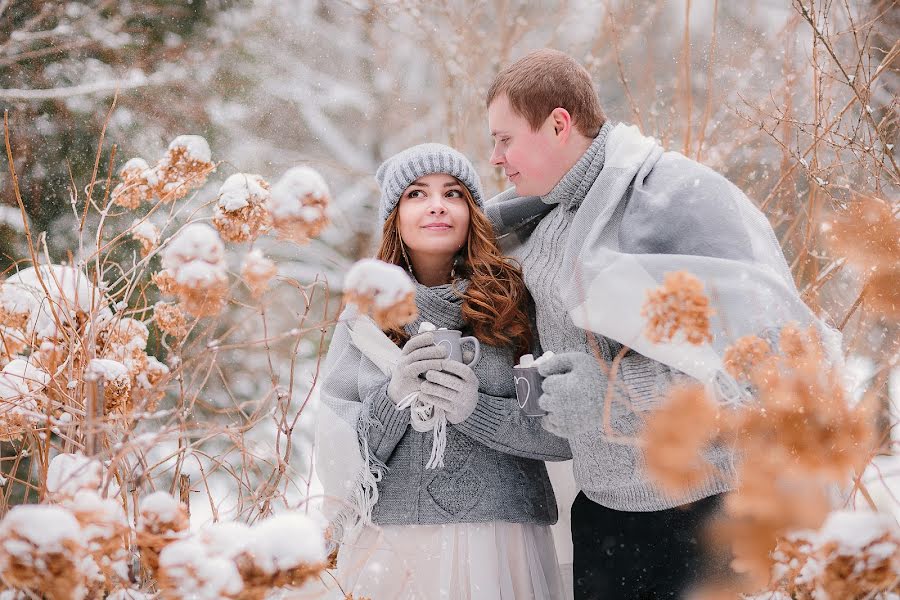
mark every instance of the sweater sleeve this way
{"type": "Point", "coordinates": [350, 376]}
{"type": "Point", "coordinates": [499, 424]}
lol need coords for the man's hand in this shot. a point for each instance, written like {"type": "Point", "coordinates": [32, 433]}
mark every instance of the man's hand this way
{"type": "Point", "coordinates": [574, 388]}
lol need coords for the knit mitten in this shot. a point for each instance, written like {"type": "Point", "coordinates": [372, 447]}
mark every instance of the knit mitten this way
{"type": "Point", "coordinates": [574, 388]}
{"type": "Point", "coordinates": [453, 388]}
{"type": "Point", "coordinates": [418, 356]}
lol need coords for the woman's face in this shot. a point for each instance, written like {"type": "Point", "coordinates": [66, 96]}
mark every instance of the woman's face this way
{"type": "Point", "coordinates": [433, 216]}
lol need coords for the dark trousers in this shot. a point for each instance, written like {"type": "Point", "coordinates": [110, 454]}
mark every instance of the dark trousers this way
{"type": "Point", "coordinates": [640, 555]}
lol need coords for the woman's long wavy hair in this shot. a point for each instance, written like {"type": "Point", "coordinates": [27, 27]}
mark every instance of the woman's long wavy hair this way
{"type": "Point", "coordinates": [494, 305]}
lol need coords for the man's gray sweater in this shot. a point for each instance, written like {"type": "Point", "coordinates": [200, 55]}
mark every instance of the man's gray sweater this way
{"type": "Point", "coordinates": [493, 463]}
{"type": "Point", "coordinates": [610, 472]}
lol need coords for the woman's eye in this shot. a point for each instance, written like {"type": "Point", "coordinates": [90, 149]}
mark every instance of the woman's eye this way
{"type": "Point", "coordinates": [414, 194]}
{"type": "Point", "coordinates": [454, 194]}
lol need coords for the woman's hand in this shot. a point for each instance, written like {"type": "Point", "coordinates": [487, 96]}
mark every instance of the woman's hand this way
{"type": "Point", "coordinates": [452, 387]}
{"type": "Point", "coordinates": [418, 356]}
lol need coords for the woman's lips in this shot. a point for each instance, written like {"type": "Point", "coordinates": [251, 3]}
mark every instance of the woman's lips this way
{"type": "Point", "coordinates": [438, 227]}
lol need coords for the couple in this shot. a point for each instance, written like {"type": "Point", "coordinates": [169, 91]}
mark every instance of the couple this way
{"type": "Point", "coordinates": [598, 214]}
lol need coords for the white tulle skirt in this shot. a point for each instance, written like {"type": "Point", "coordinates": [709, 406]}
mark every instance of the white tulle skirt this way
{"type": "Point", "coordinates": [469, 561]}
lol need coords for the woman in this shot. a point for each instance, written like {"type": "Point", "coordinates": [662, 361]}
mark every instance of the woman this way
{"type": "Point", "coordinates": [477, 526]}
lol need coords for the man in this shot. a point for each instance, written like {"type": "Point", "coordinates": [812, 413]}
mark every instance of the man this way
{"type": "Point", "coordinates": [597, 216]}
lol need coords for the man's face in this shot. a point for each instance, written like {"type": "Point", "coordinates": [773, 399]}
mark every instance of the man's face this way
{"type": "Point", "coordinates": [530, 159]}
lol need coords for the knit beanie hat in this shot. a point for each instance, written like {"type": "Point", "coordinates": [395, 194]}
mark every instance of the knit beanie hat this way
{"type": "Point", "coordinates": [399, 171]}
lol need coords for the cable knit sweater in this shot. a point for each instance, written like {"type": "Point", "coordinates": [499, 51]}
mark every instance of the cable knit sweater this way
{"type": "Point", "coordinates": [609, 472]}
{"type": "Point", "coordinates": [493, 463]}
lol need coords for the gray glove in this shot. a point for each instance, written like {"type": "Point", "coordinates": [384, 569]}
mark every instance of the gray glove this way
{"type": "Point", "coordinates": [454, 388]}
{"type": "Point", "coordinates": [418, 356]}
{"type": "Point", "coordinates": [574, 389]}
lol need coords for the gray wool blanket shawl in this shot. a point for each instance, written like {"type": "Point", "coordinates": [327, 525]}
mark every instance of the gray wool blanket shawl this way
{"type": "Point", "coordinates": [624, 216]}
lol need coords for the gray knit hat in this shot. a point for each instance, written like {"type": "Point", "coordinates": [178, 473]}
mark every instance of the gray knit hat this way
{"type": "Point", "coordinates": [396, 173]}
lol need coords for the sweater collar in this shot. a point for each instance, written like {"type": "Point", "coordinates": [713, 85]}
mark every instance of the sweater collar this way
{"type": "Point", "coordinates": [440, 305]}
{"type": "Point", "coordinates": [573, 187]}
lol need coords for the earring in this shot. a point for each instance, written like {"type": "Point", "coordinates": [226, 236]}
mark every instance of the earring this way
{"type": "Point", "coordinates": [405, 256]}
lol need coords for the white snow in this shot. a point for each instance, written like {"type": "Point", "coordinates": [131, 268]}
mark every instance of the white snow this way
{"type": "Point", "coordinates": [257, 264]}
{"type": "Point", "coordinates": [287, 194]}
{"type": "Point", "coordinates": [854, 530]}
{"type": "Point", "coordinates": [46, 527]}
{"type": "Point", "coordinates": [199, 273]}
{"type": "Point", "coordinates": [235, 193]}
{"type": "Point", "coordinates": [106, 369]}
{"type": "Point", "coordinates": [67, 474]}
{"type": "Point", "coordinates": [107, 518]}
{"type": "Point", "coordinates": [197, 147]}
{"type": "Point", "coordinates": [286, 541]}
{"type": "Point", "coordinates": [426, 326]}
{"type": "Point", "coordinates": [128, 595]}
{"type": "Point", "coordinates": [227, 538]}
{"type": "Point", "coordinates": [68, 289]}
{"type": "Point", "coordinates": [387, 284]}
{"type": "Point", "coordinates": [12, 217]}
{"type": "Point", "coordinates": [199, 574]}
{"type": "Point", "coordinates": [144, 229]}
{"type": "Point", "coordinates": [25, 376]}
{"type": "Point", "coordinates": [134, 164]}
{"type": "Point", "coordinates": [197, 241]}
{"type": "Point", "coordinates": [162, 506]}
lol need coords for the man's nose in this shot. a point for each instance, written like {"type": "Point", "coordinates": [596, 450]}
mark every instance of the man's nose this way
{"type": "Point", "coordinates": [497, 158]}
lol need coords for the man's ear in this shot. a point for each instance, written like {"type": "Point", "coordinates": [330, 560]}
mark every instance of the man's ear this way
{"type": "Point", "coordinates": [562, 123]}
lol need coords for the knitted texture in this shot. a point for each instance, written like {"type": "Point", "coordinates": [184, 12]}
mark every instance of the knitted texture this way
{"type": "Point", "coordinates": [399, 171]}
{"type": "Point", "coordinates": [493, 463]}
{"type": "Point", "coordinates": [610, 473]}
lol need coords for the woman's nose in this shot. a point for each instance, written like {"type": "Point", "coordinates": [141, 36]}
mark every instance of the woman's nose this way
{"type": "Point", "coordinates": [437, 207]}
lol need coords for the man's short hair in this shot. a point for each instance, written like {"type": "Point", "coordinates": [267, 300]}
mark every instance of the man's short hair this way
{"type": "Point", "coordinates": [544, 80]}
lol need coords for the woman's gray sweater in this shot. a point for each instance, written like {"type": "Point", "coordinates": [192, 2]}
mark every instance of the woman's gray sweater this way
{"type": "Point", "coordinates": [493, 463]}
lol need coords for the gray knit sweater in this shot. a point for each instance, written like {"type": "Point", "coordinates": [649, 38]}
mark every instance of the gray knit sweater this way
{"type": "Point", "coordinates": [493, 463]}
{"type": "Point", "coordinates": [610, 473]}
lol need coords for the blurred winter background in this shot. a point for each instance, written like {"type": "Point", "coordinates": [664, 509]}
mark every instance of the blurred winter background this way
{"type": "Point", "coordinates": [795, 102]}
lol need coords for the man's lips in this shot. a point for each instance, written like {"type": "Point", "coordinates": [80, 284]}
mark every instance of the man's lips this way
{"type": "Point", "coordinates": [511, 175]}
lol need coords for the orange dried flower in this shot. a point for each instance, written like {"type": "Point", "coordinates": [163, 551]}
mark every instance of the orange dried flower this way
{"type": "Point", "coordinates": [298, 204]}
{"type": "Point", "coordinates": [868, 233]}
{"type": "Point", "coordinates": [241, 214]}
{"type": "Point", "coordinates": [138, 184]}
{"type": "Point", "coordinates": [675, 436]}
{"type": "Point", "coordinates": [746, 355]}
{"type": "Point", "coordinates": [257, 271]}
{"type": "Point", "coordinates": [163, 520]}
{"type": "Point", "coordinates": [678, 306]}
{"type": "Point", "coordinates": [185, 166]}
{"type": "Point", "coordinates": [382, 291]}
{"type": "Point", "coordinates": [170, 319]}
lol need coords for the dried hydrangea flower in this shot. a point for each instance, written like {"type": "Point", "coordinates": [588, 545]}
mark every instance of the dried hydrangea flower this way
{"type": "Point", "coordinates": [257, 271]}
{"type": "Point", "coordinates": [185, 166]}
{"type": "Point", "coordinates": [194, 270]}
{"type": "Point", "coordinates": [170, 319]}
{"type": "Point", "coordinates": [679, 306]}
{"type": "Point", "coordinates": [242, 212]}
{"type": "Point", "coordinates": [382, 291]}
{"type": "Point", "coordinates": [139, 183]}
{"type": "Point", "coordinates": [163, 520]}
{"type": "Point", "coordinates": [146, 234]}
{"type": "Point", "coordinates": [298, 204]}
